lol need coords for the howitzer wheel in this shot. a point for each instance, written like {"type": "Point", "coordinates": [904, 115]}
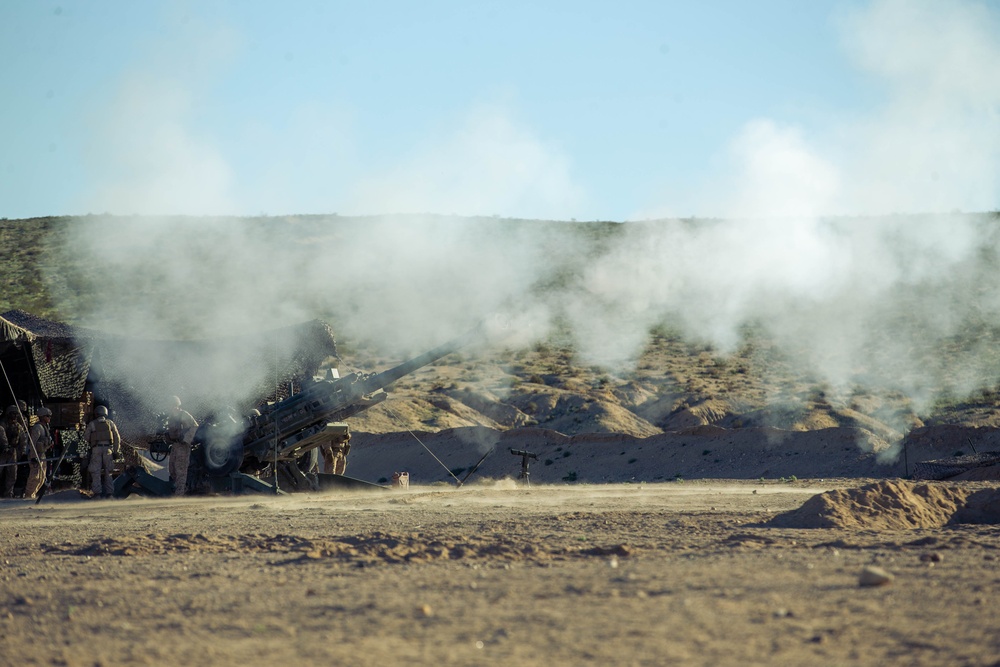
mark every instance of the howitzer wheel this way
{"type": "Point", "coordinates": [159, 450]}
{"type": "Point", "coordinates": [221, 456]}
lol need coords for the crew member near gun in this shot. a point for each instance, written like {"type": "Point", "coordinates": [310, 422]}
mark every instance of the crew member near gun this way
{"type": "Point", "coordinates": [10, 446]}
{"type": "Point", "coordinates": [335, 456]}
{"type": "Point", "coordinates": [105, 445]}
{"type": "Point", "coordinates": [181, 427]}
{"type": "Point", "coordinates": [41, 443]}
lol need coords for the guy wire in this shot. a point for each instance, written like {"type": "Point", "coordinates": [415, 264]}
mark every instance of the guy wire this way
{"type": "Point", "coordinates": [403, 424]}
{"type": "Point", "coordinates": [24, 419]}
{"type": "Point", "coordinates": [276, 489]}
{"type": "Point", "coordinates": [395, 416]}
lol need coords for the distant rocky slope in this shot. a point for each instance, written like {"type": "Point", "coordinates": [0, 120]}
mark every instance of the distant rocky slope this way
{"type": "Point", "coordinates": [677, 384]}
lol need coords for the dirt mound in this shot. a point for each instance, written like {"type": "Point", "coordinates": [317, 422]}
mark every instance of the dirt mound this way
{"type": "Point", "coordinates": [895, 505]}
{"type": "Point", "coordinates": [417, 414]}
{"type": "Point", "coordinates": [710, 411]}
{"type": "Point", "coordinates": [572, 412]}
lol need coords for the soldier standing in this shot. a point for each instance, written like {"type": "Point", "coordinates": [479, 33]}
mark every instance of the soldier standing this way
{"type": "Point", "coordinates": [41, 441]}
{"type": "Point", "coordinates": [105, 444]}
{"type": "Point", "coordinates": [24, 451]}
{"type": "Point", "coordinates": [8, 462]}
{"type": "Point", "coordinates": [181, 427]}
{"type": "Point", "coordinates": [13, 441]}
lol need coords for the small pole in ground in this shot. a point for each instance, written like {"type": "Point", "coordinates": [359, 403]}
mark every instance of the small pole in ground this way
{"type": "Point", "coordinates": [906, 460]}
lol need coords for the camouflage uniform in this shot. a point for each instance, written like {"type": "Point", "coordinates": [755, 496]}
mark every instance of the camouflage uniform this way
{"type": "Point", "coordinates": [8, 463]}
{"type": "Point", "coordinates": [335, 457]}
{"type": "Point", "coordinates": [105, 443]}
{"type": "Point", "coordinates": [12, 445]}
{"type": "Point", "coordinates": [41, 440]}
{"type": "Point", "coordinates": [181, 427]}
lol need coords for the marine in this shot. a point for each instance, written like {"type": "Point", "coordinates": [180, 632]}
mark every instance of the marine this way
{"type": "Point", "coordinates": [41, 443]}
{"type": "Point", "coordinates": [181, 427]}
{"type": "Point", "coordinates": [335, 456]}
{"type": "Point", "coordinates": [105, 446]}
{"type": "Point", "coordinates": [13, 443]}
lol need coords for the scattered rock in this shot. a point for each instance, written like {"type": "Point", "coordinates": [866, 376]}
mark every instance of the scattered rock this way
{"type": "Point", "coordinates": [619, 550]}
{"type": "Point", "coordinates": [874, 576]}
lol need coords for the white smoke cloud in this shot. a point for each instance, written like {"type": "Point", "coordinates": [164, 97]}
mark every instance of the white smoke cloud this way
{"type": "Point", "coordinates": [488, 165]}
{"type": "Point", "coordinates": [868, 298]}
{"type": "Point", "coordinates": [830, 287]}
{"type": "Point", "coordinates": [145, 153]}
{"type": "Point", "coordinates": [779, 175]}
{"type": "Point", "coordinates": [150, 162]}
{"type": "Point", "coordinates": [935, 144]}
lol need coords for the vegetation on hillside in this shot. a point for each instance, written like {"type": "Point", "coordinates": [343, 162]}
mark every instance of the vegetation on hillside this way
{"type": "Point", "coordinates": [676, 382]}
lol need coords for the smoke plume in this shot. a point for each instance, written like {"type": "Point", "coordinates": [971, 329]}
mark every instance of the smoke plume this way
{"type": "Point", "coordinates": [844, 243]}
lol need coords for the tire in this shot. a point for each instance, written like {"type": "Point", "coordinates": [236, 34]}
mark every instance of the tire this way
{"type": "Point", "coordinates": [221, 456]}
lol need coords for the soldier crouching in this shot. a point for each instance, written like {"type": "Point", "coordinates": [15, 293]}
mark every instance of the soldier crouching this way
{"type": "Point", "coordinates": [335, 456]}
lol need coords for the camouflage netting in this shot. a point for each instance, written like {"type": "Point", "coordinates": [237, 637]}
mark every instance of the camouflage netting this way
{"type": "Point", "coordinates": [10, 333]}
{"type": "Point", "coordinates": [60, 353]}
{"type": "Point", "coordinates": [946, 468]}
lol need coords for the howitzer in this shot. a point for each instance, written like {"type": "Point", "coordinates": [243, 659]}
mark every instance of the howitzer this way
{"type": "Point", "coordinates": [285, 434]}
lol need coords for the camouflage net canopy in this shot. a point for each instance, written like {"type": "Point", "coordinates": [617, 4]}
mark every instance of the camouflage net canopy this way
{"type": "Point", "coordinates": [945, 468]}
{"type": "Point", "coordinates": [136, 378]}
{"type": "Point", "coordinates": [57, 360]}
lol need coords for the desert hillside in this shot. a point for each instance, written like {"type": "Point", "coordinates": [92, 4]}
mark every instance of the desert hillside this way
{"type": "Point", "coordinates": [944, 399]}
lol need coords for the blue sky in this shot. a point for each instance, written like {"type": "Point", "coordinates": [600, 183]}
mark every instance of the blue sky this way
{"type": "Point", "coordinates": [586, 110]}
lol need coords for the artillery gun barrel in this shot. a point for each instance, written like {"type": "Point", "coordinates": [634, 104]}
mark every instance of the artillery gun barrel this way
{"type": "Point", "coordinates": [387, 377]}
{"type": "Point", "coordinates": [293, 424]}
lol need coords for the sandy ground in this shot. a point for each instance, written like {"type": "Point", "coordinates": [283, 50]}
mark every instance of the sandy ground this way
{"type": "Point", "coordinates": [646, 574]}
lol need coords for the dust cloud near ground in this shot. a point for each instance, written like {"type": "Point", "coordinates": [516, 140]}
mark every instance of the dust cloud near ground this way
{"type": "Point", "coordinates": [694, 573]}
